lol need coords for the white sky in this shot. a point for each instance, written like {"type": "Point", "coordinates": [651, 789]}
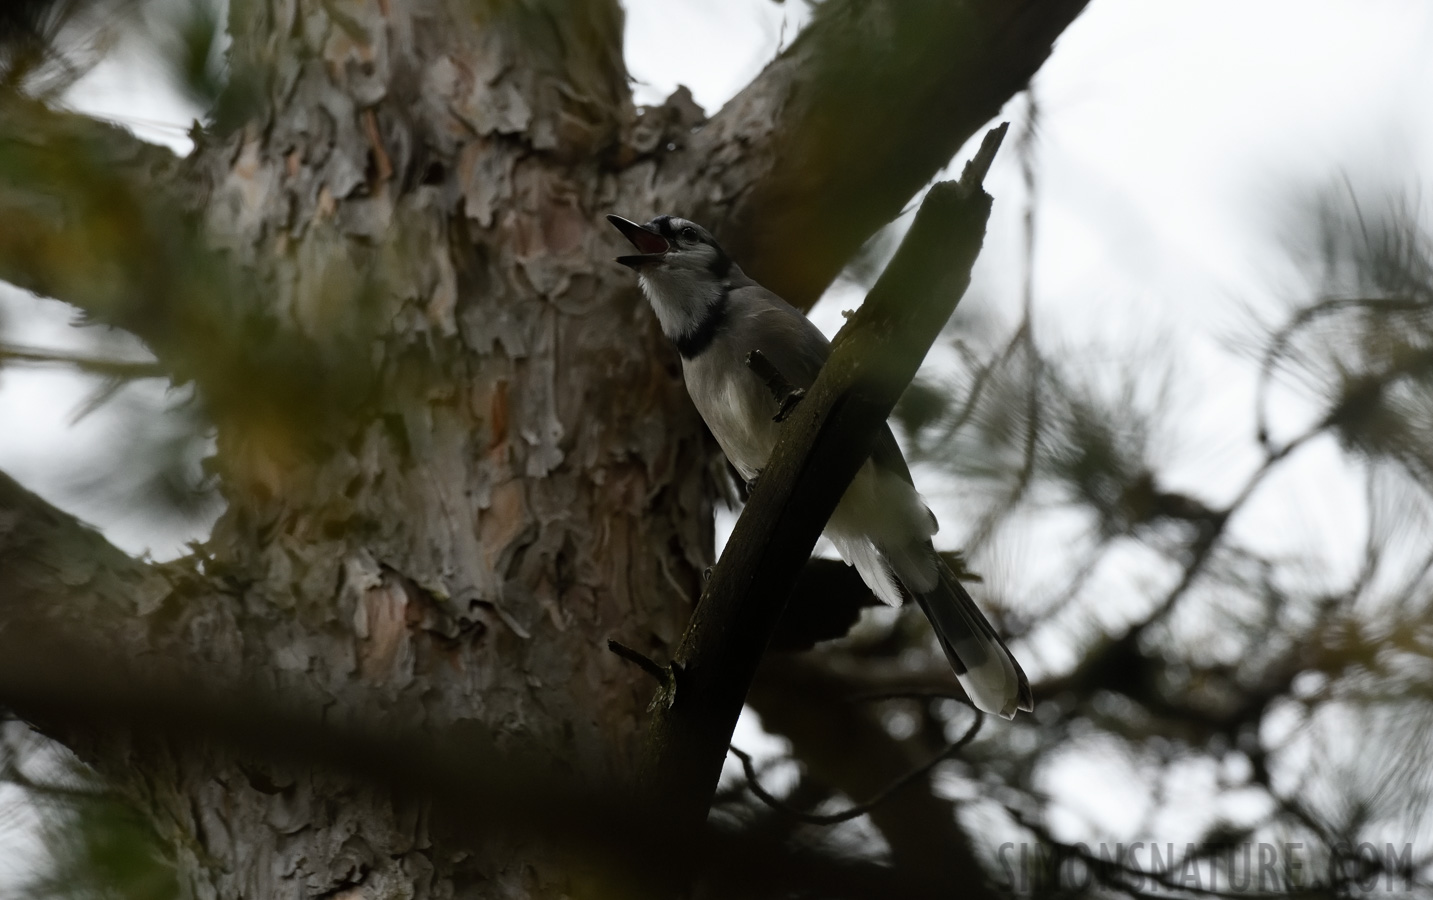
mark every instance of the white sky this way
{"type": "Point", "coordinates": [1173, 136]}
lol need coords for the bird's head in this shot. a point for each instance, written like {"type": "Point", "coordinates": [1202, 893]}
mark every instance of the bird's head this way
{"type": "Point", "coordinates": [682, 269]}
{"type": "Point", "coordinates": [672, 245]}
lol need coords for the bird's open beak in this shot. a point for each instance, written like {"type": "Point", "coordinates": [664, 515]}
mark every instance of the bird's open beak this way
{"type": "Point", "coordinates": [652, 246]}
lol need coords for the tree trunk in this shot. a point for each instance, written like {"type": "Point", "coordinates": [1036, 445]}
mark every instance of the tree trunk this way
{"type": "Point", "coordinates": [455, 448]}
{"type": "Point", "coordinates": [514, 474]}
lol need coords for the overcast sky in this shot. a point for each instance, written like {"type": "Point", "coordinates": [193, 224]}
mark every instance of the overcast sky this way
{"type": "Point", "coordinates": [1174, 138]}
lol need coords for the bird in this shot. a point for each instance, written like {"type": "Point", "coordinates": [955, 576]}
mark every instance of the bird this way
{"type": "Point", "coordinates": [716, 315]}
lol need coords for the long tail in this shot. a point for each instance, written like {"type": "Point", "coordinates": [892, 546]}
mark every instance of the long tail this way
{"type": "Point", "coordinates": [985, 666]}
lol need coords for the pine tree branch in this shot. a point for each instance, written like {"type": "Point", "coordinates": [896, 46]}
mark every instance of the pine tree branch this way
{"type": "Point", "coordinates": [841, 742]}
{"type": "Point", "coordinates": [867, 105]}
{"type": "Point", "coordinates": [856, 810]}
{"type": "Point", "coordinates": [821, 446]}
{"type": "Point", "coordinates": [452, 772]}
{"type": "Point", "coordinates": [110, 224]}
{"type": "Point", "coordinates": [14, 354]}
{"type": "Point", "coordinates": [90, 210]}
{"type": "Point", "coordinates": [58, 576]}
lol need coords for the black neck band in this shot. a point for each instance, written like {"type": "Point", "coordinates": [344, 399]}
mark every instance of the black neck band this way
{"type": "Point", "coordinates": [698, 339]}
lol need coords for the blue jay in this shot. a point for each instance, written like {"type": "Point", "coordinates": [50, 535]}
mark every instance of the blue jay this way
{"type": "Point", "coordinates": [716, 316]}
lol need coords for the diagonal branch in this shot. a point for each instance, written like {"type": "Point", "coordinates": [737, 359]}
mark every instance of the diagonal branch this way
{"type": "Point", "coordinates": [823, 443]}
{"type": "Point", "coordinates": [89, 209]}
{"type": "Point", "coordinates": [866, 106]}
{"type": "Point", "coordinates": [59, 576]}
{"type": "Point", "coordinates": [96, 218]}
{"type": "Point", "coordinates": [15, 354]}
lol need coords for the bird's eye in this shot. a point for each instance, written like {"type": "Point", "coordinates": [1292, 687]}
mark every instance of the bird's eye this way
{"type": "Point", "coordinates": [689, 233]}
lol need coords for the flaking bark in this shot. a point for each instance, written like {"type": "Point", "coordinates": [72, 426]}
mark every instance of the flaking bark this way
{"type": "Point", "coordinates": [455, 449]}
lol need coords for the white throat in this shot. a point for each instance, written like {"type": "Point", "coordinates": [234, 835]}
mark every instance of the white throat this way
{"type": "Point", "coordinates": [681, 298]}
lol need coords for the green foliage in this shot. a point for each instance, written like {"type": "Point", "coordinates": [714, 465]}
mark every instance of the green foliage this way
{"type": "Point", "coordinates": [191, 39]}
{"type": "Point", "coordinates": [97, 845]}
{"type": "Point", "coordinates": [103, 849]}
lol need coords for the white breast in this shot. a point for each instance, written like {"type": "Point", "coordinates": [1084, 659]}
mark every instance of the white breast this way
{"type": "Point", "coordinates": [737, 408]}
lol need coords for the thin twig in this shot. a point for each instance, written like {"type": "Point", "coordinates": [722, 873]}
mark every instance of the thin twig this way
{"type": "Point", "coordinates": [1219, 521]}
{"type": "Point", "coordinates": [14, 775]}
{"type": "Point", "coordinates": [1076, 584]}
{"type": "Point", "coordinates": [1209, 540]}
{"type": "Point", "coordinates": [859, 809]}
{"type": "Point", "coordinates": [1024, 336]}
{"type": "Point", "coordinates": [785, 393]}
{"type": "Point", "coordinates": [1279, 344]}
{"type": "Point", "coordinates": [978, 385]}
{"type": "Point", "coordinates": [645, 663]}
{"type": "Point", "coordinates": [95, 365]}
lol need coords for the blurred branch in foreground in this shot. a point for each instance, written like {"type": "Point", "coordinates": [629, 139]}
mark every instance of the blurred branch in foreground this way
{"type": "Point", "coordinates": [598, 828]}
